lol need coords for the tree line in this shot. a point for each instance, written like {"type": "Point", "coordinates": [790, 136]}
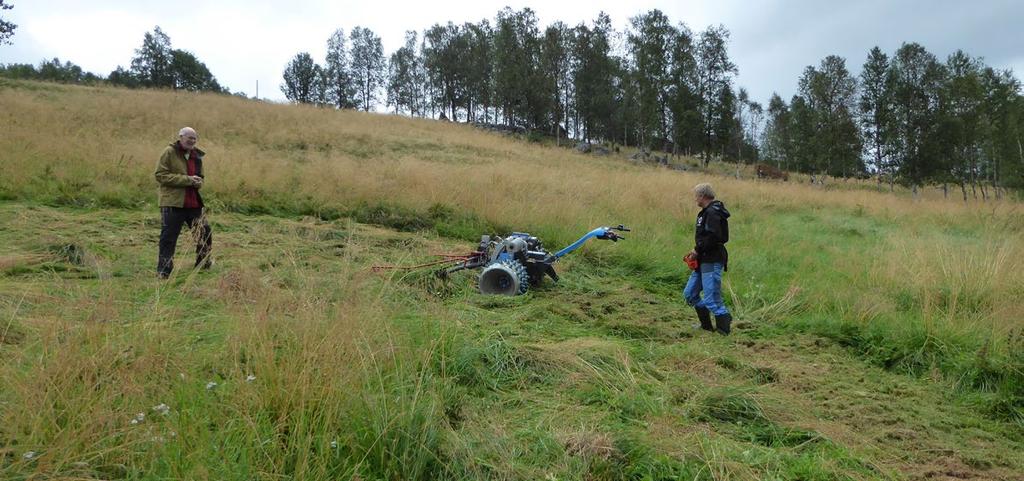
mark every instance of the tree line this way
{"type": "Point", "coordinates": [661, 86]}
{"type": "Point", "coordinates": [156, 64]}
{"type": "Point", "coordinates": [908, 118]}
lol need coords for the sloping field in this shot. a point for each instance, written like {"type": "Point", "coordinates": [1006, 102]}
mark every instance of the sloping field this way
{"type": "Point", "coordinates": [882, 336]}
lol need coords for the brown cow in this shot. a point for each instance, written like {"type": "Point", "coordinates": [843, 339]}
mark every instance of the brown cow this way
{"type": "Point", "coordinates": [765, 171]}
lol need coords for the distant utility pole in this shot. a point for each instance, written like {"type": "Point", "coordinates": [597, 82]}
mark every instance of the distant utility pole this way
{"type": "Point", "coordinates": [257, 89]}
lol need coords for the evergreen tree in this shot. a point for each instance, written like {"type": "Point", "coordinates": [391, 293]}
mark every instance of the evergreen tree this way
{"type": "Point", "coordinates": [801, 149]}
{"type": "Point", "coordinates": [725, 126]}
{"type": "Point", "coordinates": [875, 108]}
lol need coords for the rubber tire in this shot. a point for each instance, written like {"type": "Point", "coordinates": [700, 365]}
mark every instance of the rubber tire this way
{"type": "Point", "coordinates": [521, 281]}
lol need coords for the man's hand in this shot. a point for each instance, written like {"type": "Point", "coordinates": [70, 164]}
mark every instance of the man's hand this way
{"type": "Point", "coordinates": [197, 181]}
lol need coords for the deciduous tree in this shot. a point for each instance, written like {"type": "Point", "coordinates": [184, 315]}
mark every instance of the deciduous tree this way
{"type": "Point", "coordinates": [151, 64]}
{"type": "Point", "coordinates": [339, 86]}
{"type": "Point", "coordinates": [6, 28]}
{"type": "Point", "coordinates": [714, 77]}
{"type": "Point", "coordinates": [302, 79]}
{"type": "Point", "coordinates": [368, 67]}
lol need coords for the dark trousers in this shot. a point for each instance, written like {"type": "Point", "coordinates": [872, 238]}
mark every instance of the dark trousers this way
{"type": "Point", "coordinates": [171, 220]}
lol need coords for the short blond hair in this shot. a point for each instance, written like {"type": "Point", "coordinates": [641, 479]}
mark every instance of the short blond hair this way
{"type": "Point", "coordinates": [704, 190]}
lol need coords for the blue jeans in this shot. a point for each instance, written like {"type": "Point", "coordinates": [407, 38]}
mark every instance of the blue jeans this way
{"type": "Point", "coordinates": [707, 278]}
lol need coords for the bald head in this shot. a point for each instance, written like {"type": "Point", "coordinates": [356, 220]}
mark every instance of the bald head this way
{"type": "Point", "coordinates": [187, 137]}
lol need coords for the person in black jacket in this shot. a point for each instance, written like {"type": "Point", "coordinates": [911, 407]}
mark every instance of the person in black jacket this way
{"type": "Point", "coordinates": [712, 232]}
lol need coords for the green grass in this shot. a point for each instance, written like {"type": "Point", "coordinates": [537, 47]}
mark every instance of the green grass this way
{"type": "Point", "coordinates": [400, 376]}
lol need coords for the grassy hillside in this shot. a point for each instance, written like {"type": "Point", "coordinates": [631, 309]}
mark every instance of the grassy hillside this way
{"type": "Point", "coordinates": [882, 335]}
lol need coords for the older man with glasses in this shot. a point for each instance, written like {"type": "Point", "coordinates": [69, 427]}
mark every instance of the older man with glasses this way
{"type": "Point", "coordinates": [180, 175]}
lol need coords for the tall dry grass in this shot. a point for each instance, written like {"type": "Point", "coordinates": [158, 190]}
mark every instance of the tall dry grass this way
{"type": "Point", "coordinates": [107, 141]}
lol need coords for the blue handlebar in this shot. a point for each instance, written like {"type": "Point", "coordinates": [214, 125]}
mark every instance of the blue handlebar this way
{"type": "Point", "coordinates": [601, 232]}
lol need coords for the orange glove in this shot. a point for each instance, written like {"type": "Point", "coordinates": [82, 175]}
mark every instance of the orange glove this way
{"type": "Point", "coordinates": [691, 262]}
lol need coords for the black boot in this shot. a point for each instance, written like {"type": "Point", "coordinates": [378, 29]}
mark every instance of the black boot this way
{"type": "Point", "coordinates": [204, 263]}
{"type": "Point", "coordinates": [164, 266]}
{"type": "Point", "coordinates": [705, 318]}
{"type": "Point", "coordinates": [723, 322]}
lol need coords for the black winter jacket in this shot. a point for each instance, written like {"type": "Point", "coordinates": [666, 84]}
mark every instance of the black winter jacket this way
{"type": "Point", "coordinates": [712, 232]}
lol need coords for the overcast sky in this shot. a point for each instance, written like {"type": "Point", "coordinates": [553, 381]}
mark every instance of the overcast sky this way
{"type": "Point", "coordinates": [245, 41]}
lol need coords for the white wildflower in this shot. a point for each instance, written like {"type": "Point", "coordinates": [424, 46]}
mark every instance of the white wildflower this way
{"type": "Point", "coordinates": [138, 418]}
{"type": "Point", "coordinates": [334, 445]}
{"type": "Point", "coordinates": [29, 455]}
{"type": "Point", "coordinates": [250, 378]}
{"type": "Point", "coordinates": [162, 409]}
{"type": "Point", "coordinates": [210, 385]}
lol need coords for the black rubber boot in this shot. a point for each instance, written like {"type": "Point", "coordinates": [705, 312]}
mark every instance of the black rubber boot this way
{"type": "Point", "coordinates": [164, 266]}
{"type": "Point", "coordinates": [705, 318]}
{"type": "Point", "coordinates": [723, 322]}
{"type": "Point", "coordinates": [204, 263]}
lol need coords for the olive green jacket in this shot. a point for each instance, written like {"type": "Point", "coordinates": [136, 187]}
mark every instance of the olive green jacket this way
{"type": "Point", "coordinates": [172, 175]}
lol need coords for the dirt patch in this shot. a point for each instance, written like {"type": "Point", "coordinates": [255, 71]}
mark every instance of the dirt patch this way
{"type": "Point", "coordinates": [949, 468]}
{"type": "Point", "coordinates": [240, 285]}
{"type": "Point", "coordinates": [590, 445]}
{"type": "Point", "coordinates": [16, 262]}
